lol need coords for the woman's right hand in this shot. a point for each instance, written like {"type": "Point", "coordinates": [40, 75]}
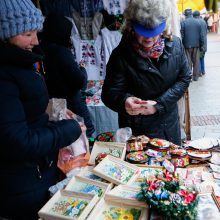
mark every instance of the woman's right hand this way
{"type": "Point", "coordinates": [82, 126]}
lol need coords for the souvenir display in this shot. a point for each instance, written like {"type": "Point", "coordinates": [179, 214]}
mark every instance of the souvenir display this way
{"type": "Point", "coordinates": [157, 143]}
{"type": "Point", "coordinates": [110, 209]}
{"type": "Point", "coordinates": [84, 185]}
{"type": "Point", "coordinates": [153, 161]}
{"type": "Point", "coordinates": [143, 139]}
{"type": "Point", "coordinates": [100, 157]}
{"type": "Point", "coordinates": [134, 144]}
{"type": "Point", "coordinates": [207, 207]}
{"type": "Point", "coordinates": [217, 200]}
{"type": "Point", "coordinates": [68, 205]}
{"type": "Point", "coordinates": [137, 182]}
{"type": "Point", "coordinates": [168, 166]}
{"type": "Point", "coordinates": [116, 171]}
{"type": "Point", "coordinates": [105, 136]}
{"type": "Point", "coordinates": [112, 148]}
{"type": "Point", "coordinates": [86, 172]}
{"type": "Point", "coordinates": [215, 168]}
{"type": "Point", "coordinates": [165, 193]}
{"type": "Point", "coordinates": [153, 153]}
{"type": "Point", "coordinates": [215, 158]}
{"type": "Point", "coordinates": [160, 145]}
{"type": "Point", "coordinates": [179, 157]}
{"type": "Point", "coordinates": [158, 176]}
{"type": "Point", "coordinates": [199, 154]}
{"type": "Point", "coordinates": [138, 157]}
{"type": "Point", "coordinates": [203, 143]}
{"type": "Point", "coordinates": [124, 192]}
{"type": "Point", "coordinates": [149, 171]}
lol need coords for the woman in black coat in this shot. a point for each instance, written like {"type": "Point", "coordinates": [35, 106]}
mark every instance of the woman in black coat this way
{"type": "Point", "coordinates": [147, 73]}
{"type": "Point", "coordinates": [64, 77]}
{"type": "Point", "coordinates": [29, 143]}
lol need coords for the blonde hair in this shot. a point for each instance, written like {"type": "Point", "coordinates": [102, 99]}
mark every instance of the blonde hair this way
{"type": "Point", "coordinates": [148, 13]}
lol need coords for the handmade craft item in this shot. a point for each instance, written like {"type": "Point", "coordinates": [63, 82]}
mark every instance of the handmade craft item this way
{"type": "Point", "coordinates": [105, 136]}
{"type": "Point", "coordinates": [138, 157]}
{"type": "Point", "coordinates": [169, 199]}
{"type": "Point", "coordinates": [108, 209]}
{"type": "Point", "coordinates": [116, 171]}
{"type": "Point", "coordinates": [179, 157]}
{"type": "Point", "coordinates": [84, 185]}
{"type": "Point", "coordinates": [138, 143]}
{"type": "Point", "coordinates": [68, 205]}
{"type": "Point", "coordinates": [111, 148]}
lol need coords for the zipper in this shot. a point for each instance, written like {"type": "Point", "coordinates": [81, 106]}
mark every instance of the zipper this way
{"type": "Point", "coordinates": [38, 171]}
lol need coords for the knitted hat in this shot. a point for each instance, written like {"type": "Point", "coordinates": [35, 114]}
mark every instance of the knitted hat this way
{"type": "Point", "coordinates": [196, 14]}
{"type": "Point", "coordinates": [18, 16]}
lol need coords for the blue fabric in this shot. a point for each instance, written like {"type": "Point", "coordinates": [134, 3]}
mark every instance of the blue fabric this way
{"type": "Point", "coordinates": [202, 65]}
{"type": "Point", "coordinates": [18, 16]}
{"type": "Point", "coordinates": [149, 32]}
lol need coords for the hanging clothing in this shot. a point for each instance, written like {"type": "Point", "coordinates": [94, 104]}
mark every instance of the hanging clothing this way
{"type": "Point", "coordinates": [90, 52]}
{"type": "Point", "coordinates": [115, 7]}
{"type": "Point", "coordinates": [111, 40]}
{"type": "Point", "coordinates": [87, 8]}
{"type": "Point", "coordinates": [88, 27]}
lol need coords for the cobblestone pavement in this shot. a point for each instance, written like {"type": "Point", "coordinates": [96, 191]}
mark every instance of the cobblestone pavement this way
{"type": "Point", "coordinates": [204, 94]}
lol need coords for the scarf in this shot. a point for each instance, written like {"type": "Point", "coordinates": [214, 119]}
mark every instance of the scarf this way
{"type": "Point", "coordinates": [154, 52]}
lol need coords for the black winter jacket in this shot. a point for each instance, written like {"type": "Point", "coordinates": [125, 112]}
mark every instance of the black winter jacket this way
{"type": "Point", "coordinates": [192, 34]}
{"type": "Point", "coordinates": [28, 141]}
{"type": "Point", "coordinates": [164, 81]}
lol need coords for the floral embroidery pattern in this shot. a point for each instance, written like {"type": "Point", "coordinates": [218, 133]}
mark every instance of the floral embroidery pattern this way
{"type": "Point", "coordinates": [87, 188]}
{"type": "Point", "coordinates": [128, 194]}
{"type": "Point", "coordinates": [118, 213]}
{"type": "Point", "coordinates": [118, 171]}
{"type": "Point", "coordinates": [69, 207]}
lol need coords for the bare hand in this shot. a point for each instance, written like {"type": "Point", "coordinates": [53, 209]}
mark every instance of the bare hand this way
{"type": "Point", "coordinates": [133, 106]}
{"type": "Point", "coordinates": [148, 110]}
{"type": "Point", "coordinates": [82, 126]}
{"type": "Point", "coordinates": [70, 114]}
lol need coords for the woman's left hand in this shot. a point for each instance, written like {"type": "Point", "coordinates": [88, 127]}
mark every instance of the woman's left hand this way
{"type": "Point", "coordinates": [148, 110]}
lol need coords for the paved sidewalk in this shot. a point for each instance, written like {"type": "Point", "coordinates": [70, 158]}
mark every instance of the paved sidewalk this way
{"type": "Point", "coordinates": [205, 94]}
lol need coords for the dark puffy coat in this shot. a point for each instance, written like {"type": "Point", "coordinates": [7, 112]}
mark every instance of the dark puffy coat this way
{"type": "Point", "coordinates": [29, 143]}
{"type": "Point", "coordinates": [128, 74]}
{"type": "Point", "coordinates": [64, 78]}
{"type": "Point", "coordinates": [191, 32]}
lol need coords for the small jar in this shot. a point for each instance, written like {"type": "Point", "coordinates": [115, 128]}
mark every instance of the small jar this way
{"type": "Point", "coordinates": [138, 157]}
{"type": "Point", "coordinates": [134, 145]}
{"type": "Point", "coordinates": [179, 158]}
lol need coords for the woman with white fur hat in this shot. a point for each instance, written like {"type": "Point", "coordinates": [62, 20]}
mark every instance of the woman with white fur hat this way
{"type": "Point", "coordinates": [148, 72]}
{"type": "Point", "coordinates": [29, 143]}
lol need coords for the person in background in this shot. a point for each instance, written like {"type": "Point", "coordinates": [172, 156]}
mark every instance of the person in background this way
{"type": "Point", "coordinates": [193, 41]}
{"type": "Point", "coordinates": [196, 14]}
{"type": "Point", "coordinates": [210, 22]}
{"type": "Point", "coordinates": [64, 77]}
{"type": "Point", "coordinates": [147, 73]}
{"type": "Point", "coordinates": [29, 143]}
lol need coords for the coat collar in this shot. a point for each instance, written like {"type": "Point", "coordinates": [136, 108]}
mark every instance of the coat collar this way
{"type": "Point", "coordinates": [15, 56]}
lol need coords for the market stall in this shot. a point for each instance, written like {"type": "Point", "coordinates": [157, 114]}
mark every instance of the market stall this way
{"type": "Point", "coordinates": [141, 179]}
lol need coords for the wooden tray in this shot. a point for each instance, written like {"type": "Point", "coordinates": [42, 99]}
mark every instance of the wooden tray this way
{"type": "Point", "coordinates": [116, 171]}
{"type": "Point", "coordinates": [63, 202]}
{"type": "Point", "coordinates": [84, 185]}
{"type": "Point", "coordinates": [137, 182]}
{"type": "Point", "coordinates": [124, 192]}
{"type": "Point", "coordinates": [147, 171]}
{"type": "Point", "coordinates": [86, 172]}
{"type": "Point", "coordinates": [112, 148]}
{"type": "Point", "coordinates": [119, 209]}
